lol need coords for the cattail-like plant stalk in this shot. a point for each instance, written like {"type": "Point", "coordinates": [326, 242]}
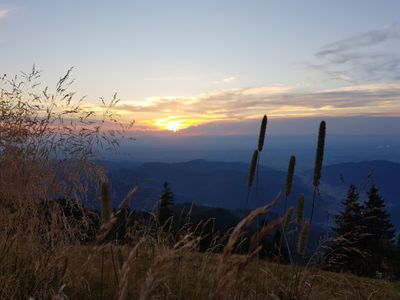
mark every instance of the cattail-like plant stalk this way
{"type": "Point", "coordinates": [303, 238]}
{"type": "Point", "coordinates": [261, 137]}
{"type": "Point", "coordinates": [318, 163]}
{"type": "Point", "coordinates": [288, 219]}
{"type": "Point", "coordinates": [106, 206]}
{"type": "Point", "coordinates": [252, 172]}
{"type": "Point", "coordinates": [300, 209]}
{"type": "Point", "coordinates": [320, 154]}
{"type": "Point", "coordinates": [106, 227]}
{"type": "Point", "coordinates": [289, 179]}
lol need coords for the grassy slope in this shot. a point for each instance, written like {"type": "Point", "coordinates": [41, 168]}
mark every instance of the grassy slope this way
{"type": "Point", "coordinates": [192, 276]}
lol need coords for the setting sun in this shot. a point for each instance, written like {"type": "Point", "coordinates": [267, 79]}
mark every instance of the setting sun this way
{"type": "Point", "coordinates": [175, 123]}
{"type": "Point", "coordinates": [174, 126]}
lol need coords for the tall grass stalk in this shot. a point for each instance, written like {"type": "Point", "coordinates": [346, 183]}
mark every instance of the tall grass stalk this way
{"type": "Point", "coordinates": [260, 145]}
{"type": "Point", "coordinates": [300, 209]}
{"type": "Point", "coordinates": [261, 137]}
{"type": "Point", "coordinates": [289, 179]}
{"type": "Point", "coordinates": [303, 238]}
{"type": "Point", "coordinates": [106, 204]}
{"type": "Point", "coordinates": [252, 172]}
{"type": "Point", "coordinates": [318, 164]}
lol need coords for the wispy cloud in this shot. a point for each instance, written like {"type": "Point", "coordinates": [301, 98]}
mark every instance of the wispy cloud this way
{"type": "Point", "coordinates": [4, 12]}
{"type": "Point", "coordinates": [367, 57]}
{"type": "Point", "coordinates": [277, 101]}
{"type": "Point", "coordinates": [229, 79]}
{"type": "Point", "coordinates": [226, 80]}
{"type": "Point", "coordinates": [367, 39]}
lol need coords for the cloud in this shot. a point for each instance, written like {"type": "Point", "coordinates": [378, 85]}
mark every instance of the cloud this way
{"type": "Point", "coordinates": [367, 57]}
{"type": "Point", "coordinates": [276, 101]}
{"type": "Point", "coordinates": [229, 79]}
{"type": "Point", "coordinates": [226, 80]}
{"type": "Point", "coordinates": [293, 126]}
{"type": "Point", "coordinates": [340, 76]}
{"type": "Point", "coordinates": [367, 39]}
{"type": "Point", "coordinates": [4, 12]}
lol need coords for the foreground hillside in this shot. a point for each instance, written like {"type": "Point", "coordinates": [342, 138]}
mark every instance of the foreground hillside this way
{"type": "Point", "coordinates": [193, 276]}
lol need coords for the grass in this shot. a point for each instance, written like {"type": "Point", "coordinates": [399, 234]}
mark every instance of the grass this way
{"type": "Point", "coordinates": [192, 276]}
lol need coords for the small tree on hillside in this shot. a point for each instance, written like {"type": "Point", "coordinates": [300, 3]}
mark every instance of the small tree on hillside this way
{"type": "Point", "coordinates": [346, 249]}
{"type": "Point", "coordinates": [380, 240]}
{"type": "Point", "coordinates": [164, 206]}
{"type": "Point", "coordinates": [376, 219]}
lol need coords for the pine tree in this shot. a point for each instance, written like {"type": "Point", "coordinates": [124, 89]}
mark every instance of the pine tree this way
{"type": "Point", "coordinates": [376, 219]}
{"type": "Point", "coordinates": [346, 252]}
{"type": "Point", "coordinates": [380, 241]}
{"type": "Point", "coordinates": [164, 207]}
{"type": "Point", "coordinates": [345, 221]}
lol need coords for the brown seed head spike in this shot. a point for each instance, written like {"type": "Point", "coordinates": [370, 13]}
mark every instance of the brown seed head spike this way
{"type": "Point", "coordinates": [320, 154]}
{"type": "Point", "coordinates": [288, 219]}
{"type": "Point", "coordinates": [290, 174]}
{"type": "Point", "coordinates": [261, 137]}
{"type": "Point", "coordinates": [106, 208]}
{"type": "Point", "coordinates": [303, 238]}
{"type": "Point", "coordinates": [252, 170]}
{"type": "Point", "coordinates": [300, 209]}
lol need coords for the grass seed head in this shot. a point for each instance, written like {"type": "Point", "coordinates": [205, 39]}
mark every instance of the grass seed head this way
{"type": "Point", "coordinates": [290, 174]}
{"type": "Point", "coordinates": [300, 209]}
{"type": "Point", "coordinates": [320, 154]}
{"type": "Point", "coordinates": [253, 167]}
{"type": "Point", "coordinates": [106, 208]}
{"type": "Point", "coordinates": [303, 238]}
{"type": "Point", "coordinates": [261, 137]}
{"type": "Point", "coordinates": [288, 219]}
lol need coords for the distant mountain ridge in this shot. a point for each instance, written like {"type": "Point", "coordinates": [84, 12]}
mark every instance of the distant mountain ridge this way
{"type": "Point", "coordinates": [224, 184]}
{"type": "Point", "coordinates": [214, 184]}
{"type": "Point", "coordinates": [384, 174]}
{"type": "Point", "coordinates": [218, 184]}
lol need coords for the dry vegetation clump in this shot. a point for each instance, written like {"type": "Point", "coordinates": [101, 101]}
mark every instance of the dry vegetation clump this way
{"type": "Point", "coordinates": [47, 142]}
{"type": "Point", "coordinates": [192, 275]}
{"type": "Point", "coordinates": [228, 271]}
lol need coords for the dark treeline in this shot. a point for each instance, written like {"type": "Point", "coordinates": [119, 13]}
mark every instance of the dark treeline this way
{"type": "Point", "coordinates": [364, 240]}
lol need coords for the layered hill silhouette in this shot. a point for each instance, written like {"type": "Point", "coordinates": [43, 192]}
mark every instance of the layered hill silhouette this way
{"type": "Point", "coordinates": [206, 183]}
{"type": "Point", "coordinates": [223, 184]}
{"type": "Point", "coordinates": [384, 174]}
{"type": "Point", "coordinates": [216, 184]}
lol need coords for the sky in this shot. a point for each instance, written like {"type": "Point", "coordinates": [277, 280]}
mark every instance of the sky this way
{"type": "Point", "coordinates": [192, 66]}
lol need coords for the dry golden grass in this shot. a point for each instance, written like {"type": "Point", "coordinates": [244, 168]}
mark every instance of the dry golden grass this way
{"type": "Point", "coordinates": [48, 139]}
{"type": "Point", "coordinates": [192, 276]}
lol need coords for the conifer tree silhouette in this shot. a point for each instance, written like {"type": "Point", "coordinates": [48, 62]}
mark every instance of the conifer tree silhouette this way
{"type": "Point", "coordinates": [376, 219]}
{"type": "Point", "coordinates": [346, 249]}
{"type": "Point", "coordinates": [164, 207]}
{"type": "Point", "coordinates": [379, 243]}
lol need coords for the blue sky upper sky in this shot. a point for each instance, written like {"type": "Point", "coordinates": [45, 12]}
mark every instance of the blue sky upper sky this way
{"type": "Point", "coordinates": [193, 62]}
